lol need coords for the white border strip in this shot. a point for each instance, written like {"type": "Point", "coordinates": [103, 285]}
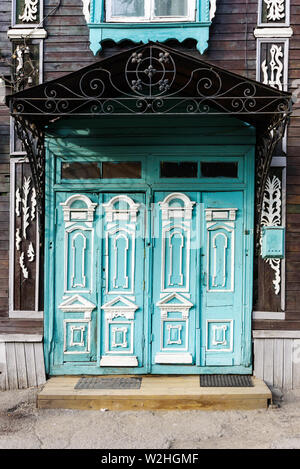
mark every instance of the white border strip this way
{"type": "Point", "coordinates": [276, 334]}
{"type": "Point", "coordinates": [21, 338]}
{"type": "Point", "coordinates": [273, 32]}
{"type": "Point", "coordinates": [268, 315]}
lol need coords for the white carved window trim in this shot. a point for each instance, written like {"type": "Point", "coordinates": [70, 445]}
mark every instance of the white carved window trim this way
{"type": "Point", "coordinates": [150, 15]}
{"type": "Point", "coordinates": [13, 150]}
{"type": "Point", "coordinates": [86, 4]}
{"type": "Point", "coordinates": [2, 91]}
{"type": "Point", "coordinates": [212, 9]}
{"type": "Point", "coordinates": [273, 24]}
{"type": "Point", "coordinates": [272, 216]}
{"type": "Point", "coordinates": [25, 24]}
{"type": "Point", "coordinates": [259, 74]}
{"type": "Point", "coordinates": [36, 314]}
{"type": "Point", "coordinates": [285, 61]}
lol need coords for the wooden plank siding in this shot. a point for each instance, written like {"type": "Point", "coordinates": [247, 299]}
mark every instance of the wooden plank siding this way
{"type": "Point", "coordinates": [293, 178]}
{"type": "Point", "coordinates": [5, 53]}
{"type": "Point", "coordinates": [21, 365]}
{"type": "Point", "coordinates": [277, 361]}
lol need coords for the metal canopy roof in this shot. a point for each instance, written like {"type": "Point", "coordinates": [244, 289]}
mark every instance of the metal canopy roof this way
{"type": "Point", "coordinates": [152, 79]}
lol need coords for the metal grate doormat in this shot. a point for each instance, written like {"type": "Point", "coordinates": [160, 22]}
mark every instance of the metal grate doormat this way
{"type": "Point", "coordinates": [224, 381]}
{"type": "Point", "coordinates": [108, 383]}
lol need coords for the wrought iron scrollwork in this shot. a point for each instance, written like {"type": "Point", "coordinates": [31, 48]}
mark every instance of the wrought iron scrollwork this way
{"type": "Point", "coordinates": [33, 140]}
{"type": "Point", "coordinates": [148, 82]}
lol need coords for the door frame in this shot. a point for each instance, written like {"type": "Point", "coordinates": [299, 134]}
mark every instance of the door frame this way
{"type": "Point", "coordinates": [244, 153]}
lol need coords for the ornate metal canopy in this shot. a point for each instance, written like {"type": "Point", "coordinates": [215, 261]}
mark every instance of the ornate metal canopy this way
{"type": "Point", "coordinates": [151, 80]}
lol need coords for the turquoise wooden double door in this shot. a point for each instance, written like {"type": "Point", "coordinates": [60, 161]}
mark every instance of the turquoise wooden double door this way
{"type": "Point", "coordinates": [150, 284]}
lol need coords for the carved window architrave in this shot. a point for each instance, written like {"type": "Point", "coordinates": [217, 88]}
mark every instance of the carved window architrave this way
{"type": "Point", "coordinates": [272, 216]}
{"type": "Point", "coordinates": [273, 23]}
{"type": "Point", "coordinates": [14, 151]}
{"type": "Point", "coordinates": [284, 43]}
{"type": "Point", "coordinates": [13, 313]}
{"type": "Point", "coordinates": [285, 62]}
{"type": "Point", "coordinates": [15, 23]}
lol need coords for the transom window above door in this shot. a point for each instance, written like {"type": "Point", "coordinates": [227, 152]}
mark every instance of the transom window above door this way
{"type": "Point", "coordinates": [150, 10]}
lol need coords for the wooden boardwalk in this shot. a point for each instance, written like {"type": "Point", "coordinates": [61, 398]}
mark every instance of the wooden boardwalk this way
{"type": "Point", "coordinates": [155, 393]}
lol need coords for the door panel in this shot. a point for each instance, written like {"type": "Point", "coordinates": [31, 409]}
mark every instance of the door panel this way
{"type": "Point", "coordinates": [75, 278]}
{"type": "Point", "coordinates": [174, 279]}
{"type": "Point", "coordinates": [192, 315]}
{"type": "Point", "coordinates": [222, 274]}
{"type": "Point", "coordinates": [122, 305]}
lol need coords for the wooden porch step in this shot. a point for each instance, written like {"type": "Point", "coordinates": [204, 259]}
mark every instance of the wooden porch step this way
{"type": "Point", "coordinates": [156, 393]}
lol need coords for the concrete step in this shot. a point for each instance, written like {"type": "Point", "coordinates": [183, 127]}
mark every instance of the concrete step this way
{"type": "Point", "coordinates": [156, 393]}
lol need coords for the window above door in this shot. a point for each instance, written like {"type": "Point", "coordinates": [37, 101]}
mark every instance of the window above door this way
{"type": "Point", "coordinates": [150, 10]}
{"type": "Point", "coordinates": [148, 20]}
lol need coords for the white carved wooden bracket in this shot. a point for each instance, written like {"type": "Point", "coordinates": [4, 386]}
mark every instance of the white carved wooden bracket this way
{"type": "Point", "coordinates": [121, 207]}
{"type": "Point", "coordinates": [119, 307]}
{"type": "Point", "coordinates": [23, 267]}
{"type": "Point", "coordinates": [168, 305]}
{"type": "Point", "coordinates": [212, 9]}
{"type": "Point", "coordinates": [77, 304]}
{"type": "Point", "coordinates": [25, 207]}
{"type": "Point", "coordinates": [275, 9]}
{"type": "Point", "coordinates": [30, 11]}
{"type": "Point", "coordinates": [271, 216]}
{"type": "Point", "coordinates": [273, 72]}
{"type": "Point", "coordinates": [176, 205]}
{"type": "Point", "coordinates": [86, 9]}
{"type": "Point", "coordinates": [73, 213]}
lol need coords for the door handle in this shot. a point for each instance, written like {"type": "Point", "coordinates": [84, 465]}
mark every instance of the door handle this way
{"type": "Point", "coordinates": [204, 279]}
